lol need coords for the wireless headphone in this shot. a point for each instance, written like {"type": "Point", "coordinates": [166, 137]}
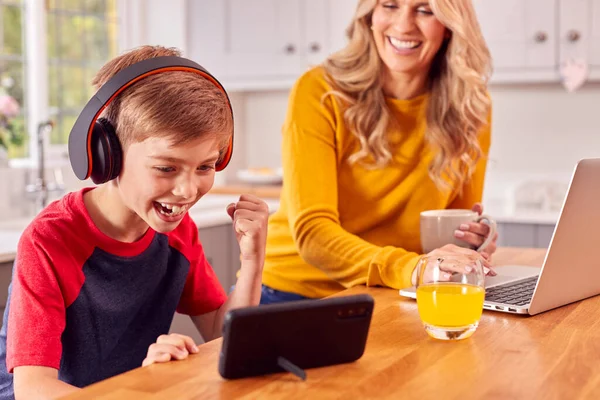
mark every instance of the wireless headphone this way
{"type": "Point", "coordinates": [94, 148]}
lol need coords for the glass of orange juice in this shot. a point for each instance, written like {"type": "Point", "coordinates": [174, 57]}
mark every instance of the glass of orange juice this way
{"type": "Point", "coordinates": [450, 294]}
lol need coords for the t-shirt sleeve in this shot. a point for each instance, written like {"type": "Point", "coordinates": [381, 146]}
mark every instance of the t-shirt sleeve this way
{"type": "Point", "coordinates": [36, 318]}
{"type": "Point", "coordinates": [202, 292]}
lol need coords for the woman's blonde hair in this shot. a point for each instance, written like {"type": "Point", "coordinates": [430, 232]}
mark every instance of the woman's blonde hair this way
{"type": "Point", "coordinates": [458, 104]}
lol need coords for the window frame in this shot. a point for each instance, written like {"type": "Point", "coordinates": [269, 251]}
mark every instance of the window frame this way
{"type": "Point", "coordinates": [36, 83]}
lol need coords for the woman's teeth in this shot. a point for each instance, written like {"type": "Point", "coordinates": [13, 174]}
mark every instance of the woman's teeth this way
{"type": "Point", "coordinates": [404, 44]}
{"type": "Point", "coordinates": [172, 210]}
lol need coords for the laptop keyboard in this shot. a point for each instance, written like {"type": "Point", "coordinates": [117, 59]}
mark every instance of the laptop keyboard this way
{"type": "Point", "coordinates": [515, 293]}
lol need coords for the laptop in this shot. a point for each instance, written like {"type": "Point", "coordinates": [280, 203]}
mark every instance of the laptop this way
{"type": "Point", "coordinates": [571, 268]}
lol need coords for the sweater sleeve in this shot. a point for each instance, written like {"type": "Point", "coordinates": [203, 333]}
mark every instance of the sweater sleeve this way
{"type": "Point", "coordinates": [473, 190]}
{"type": "Point", "coordinates": [310, 164]}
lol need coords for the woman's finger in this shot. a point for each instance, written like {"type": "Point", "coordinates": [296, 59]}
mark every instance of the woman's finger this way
{"type": "Point", "coordinates": [475, 227]}
{"type": "Point", "coordinates": [469, 237]}
{"type": "Point", "coordinates": [478, 208]}
{"type": "Point", "coordinates": [488, 269]}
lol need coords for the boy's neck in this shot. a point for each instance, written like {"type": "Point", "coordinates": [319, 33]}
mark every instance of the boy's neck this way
{"type": "Point", "coordinates": [111, 216]}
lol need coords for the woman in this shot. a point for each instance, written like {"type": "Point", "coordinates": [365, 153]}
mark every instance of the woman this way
{"type": "Point", "coordinates": [396, 123]}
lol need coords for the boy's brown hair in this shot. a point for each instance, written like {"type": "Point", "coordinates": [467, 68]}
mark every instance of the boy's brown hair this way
{"type": "Point", "coordinates": [182, 106]}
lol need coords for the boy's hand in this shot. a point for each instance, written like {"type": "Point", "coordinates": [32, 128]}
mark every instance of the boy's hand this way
{"type": "Point", "coordinates": [169, 347]}
{"type": "Point", "coordinates": [250, 215]}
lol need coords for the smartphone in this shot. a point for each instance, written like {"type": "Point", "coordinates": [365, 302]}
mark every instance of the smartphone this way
{"type": "Point", "coordinates": [305, 333]}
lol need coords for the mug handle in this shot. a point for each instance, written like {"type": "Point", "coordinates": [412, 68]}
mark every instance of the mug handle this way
{"type": "Point", "coordinates": [492, 224]}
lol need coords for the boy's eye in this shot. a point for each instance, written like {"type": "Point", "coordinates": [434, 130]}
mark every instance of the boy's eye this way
{"type": "Point", "coordinates": [165, 169]}
{"type": "Point", "coordinates": [206, 167]}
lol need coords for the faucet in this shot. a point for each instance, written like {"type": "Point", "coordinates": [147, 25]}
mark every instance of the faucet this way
{"type": "Point", "coordinates": [40, 190]}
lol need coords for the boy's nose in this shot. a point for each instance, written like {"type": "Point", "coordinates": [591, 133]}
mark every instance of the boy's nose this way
{"type": "Point", "coordinates": [185, 188]}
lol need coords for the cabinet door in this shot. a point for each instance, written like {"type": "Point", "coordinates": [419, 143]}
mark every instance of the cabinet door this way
{"type": "Point", "coordinates": [519, 33]}
{"type": "Point", "coordinates": [341, 13]}
{"type": "Point", "coordinates": [234, 258]}
{"type": "Point", "coordinates": [5, 278]}
{"type": "Point", "coordinates": [317, 42]}
{"type": "Point", "coordinates": [183, 325]}
{"type": "Point", "coordinates": [241, 39]}
{"type": "Point", "coordinates": [544, 235]}
{"type": "Point", "coordinates": [215, 242]}
{"type": "Point", "coordinates": [575, 29]}
{"type": "Point", "coordinates": [326, 22]}
{"type": "Point", "coordinates": [595, 34]}
{"type": "Point", "coordinates": [518, 235]}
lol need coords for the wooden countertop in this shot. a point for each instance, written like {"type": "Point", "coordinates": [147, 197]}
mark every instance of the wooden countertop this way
{"type": "Point", "coordinates": [7, 257]}
{"type": "Point", "coordinates": [263, 191]}
{"type": "Point", "coordinates": [550, 355]}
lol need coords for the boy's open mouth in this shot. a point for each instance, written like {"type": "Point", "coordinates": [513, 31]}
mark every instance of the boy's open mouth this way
{"type": "Point", "coordinates": [170, 210]}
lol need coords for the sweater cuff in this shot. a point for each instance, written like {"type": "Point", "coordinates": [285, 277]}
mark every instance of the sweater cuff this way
{"type": "Point", "coordinates": [392, 267]}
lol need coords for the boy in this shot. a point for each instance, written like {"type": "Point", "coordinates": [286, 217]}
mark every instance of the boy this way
{"type": "Point", "coordinates": [100, 272]}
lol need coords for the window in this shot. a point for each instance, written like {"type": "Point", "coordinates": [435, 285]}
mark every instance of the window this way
{"type": "Point", "coordinates": [81, 35]}
{"type": "Point", "coordinates": [12, 64]}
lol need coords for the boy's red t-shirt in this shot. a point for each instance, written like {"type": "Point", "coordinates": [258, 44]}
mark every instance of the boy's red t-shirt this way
{"type": "Point", "coordinates": [89, 305]}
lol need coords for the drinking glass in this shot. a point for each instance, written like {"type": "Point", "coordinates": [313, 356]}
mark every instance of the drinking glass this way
{"type": "Point", "coordinates": [450, 295]}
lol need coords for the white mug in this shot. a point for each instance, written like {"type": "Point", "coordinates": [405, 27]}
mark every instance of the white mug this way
{"type": "Point", "coordinates": [438, 226]}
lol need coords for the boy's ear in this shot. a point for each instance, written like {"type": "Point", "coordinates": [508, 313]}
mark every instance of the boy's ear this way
{"type": "Point", "coordinates": [106, 152]}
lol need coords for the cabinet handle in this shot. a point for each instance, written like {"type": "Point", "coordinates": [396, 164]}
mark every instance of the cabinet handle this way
{"type": "Point", "coordinates": [573, 35]}
{"type": "Point", "coordinates": [315, 47]}
{"type": "Point", "coordinates": [290, 49]}
{"type": "Point", "coordinates": [541, 37]}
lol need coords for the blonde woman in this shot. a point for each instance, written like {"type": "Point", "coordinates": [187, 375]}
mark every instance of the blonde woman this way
{"type": "Point", "coordinates": [396, 123]}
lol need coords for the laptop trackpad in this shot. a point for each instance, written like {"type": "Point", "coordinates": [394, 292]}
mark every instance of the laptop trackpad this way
{"type": "Point", "coordinates": [510, 273]}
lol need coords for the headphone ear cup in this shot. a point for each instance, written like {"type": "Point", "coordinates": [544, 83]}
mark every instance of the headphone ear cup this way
{"type": "Point", "coordinates": [106, 152]}
{"type": "Point", "coordinates": [226, 156]}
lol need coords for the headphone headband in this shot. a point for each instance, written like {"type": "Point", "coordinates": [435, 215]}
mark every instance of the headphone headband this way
{"type": "Point", "coordinates": [80, 138]}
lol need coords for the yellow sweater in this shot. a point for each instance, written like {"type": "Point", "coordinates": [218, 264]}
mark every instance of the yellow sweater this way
{"type": "Point", "coordinates": [341, 225]}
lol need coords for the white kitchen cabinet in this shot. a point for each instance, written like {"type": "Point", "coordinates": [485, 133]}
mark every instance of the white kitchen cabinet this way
{"type": "Point", "coordinates": [544, 235]}
{"type": "Point", "coordinates": [530, 39]}
{"type": "Point", "coordinates": [595, 37]}
{"type": "Point", "coordinates": [5, 278]}
{"type": "Point", "coordinates": [223, 254]}
{"type": "Point", "coordinates": [524, 234]}
{"type": "Point", "coordinates": [520, 34]}
{"type": "Point", "coordinates": [579, 31]}
{"type": "Point", "coordinates": [216, 245]}
{"type": "Point", "coordinates": [245, 39]}
{"type": "Point", "coordinates": [264, 44]}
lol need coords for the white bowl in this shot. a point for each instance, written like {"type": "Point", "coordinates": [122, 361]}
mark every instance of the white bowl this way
{"type": "Point", "coordinates": [263, 176]}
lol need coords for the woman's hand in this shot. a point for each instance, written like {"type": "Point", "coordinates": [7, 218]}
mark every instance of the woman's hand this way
{"type": "Point", "coordinates": [170, 347]}
{"type": "Point", "coordinates": [463, 259]}
{"type": "Point", "coordinates": [475, 234]}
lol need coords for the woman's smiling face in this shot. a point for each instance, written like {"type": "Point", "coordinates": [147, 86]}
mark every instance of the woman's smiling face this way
{"type": "Point", "coordinates": [407, 35]}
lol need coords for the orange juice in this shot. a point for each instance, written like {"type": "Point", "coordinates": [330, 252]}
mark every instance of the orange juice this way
{"type": "Point", "coordinates": [450, 304]}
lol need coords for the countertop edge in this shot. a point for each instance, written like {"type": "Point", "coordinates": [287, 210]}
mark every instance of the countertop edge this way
{"type": "Point", "coordinates": [7, 257]}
